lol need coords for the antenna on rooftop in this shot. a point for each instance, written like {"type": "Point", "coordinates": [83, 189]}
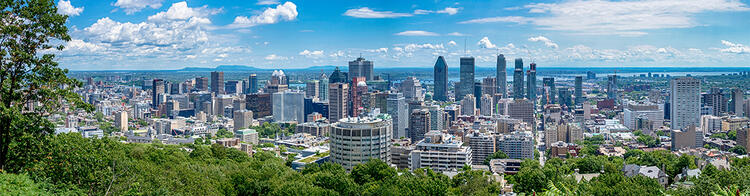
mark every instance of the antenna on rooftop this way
{"type": "Point", "coordinates": [465, 52]}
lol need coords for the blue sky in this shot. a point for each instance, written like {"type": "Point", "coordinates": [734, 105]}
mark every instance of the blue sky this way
{"type": "Point", "coordinates": [164, 34]}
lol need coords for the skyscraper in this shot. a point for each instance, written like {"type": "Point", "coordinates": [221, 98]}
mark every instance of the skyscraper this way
{"type": "Point", "coordinates": [201, 84]}
{"type": "Point", "coordinates": [396, 107]}
{"type": "Point", "coordinates": [312, 89]}
{"type": "Point", "coordinates": [738, 98]}
{"type": "Point", "coordinates": [441, 80]}
{"type": "Point", "coordinates": [288, 106]}
{"type": "Point", "coordinates": [685, 102]}
{"type": "Point", "coordinates": [502, 80]}
{"type": "Point", "coordinates": [361, 68]}
{"type": "Point", "coordinates": [612, 87]}
{"type": "Point", "coordinates": [158, 88]}
{"type": "Point", "coordinates": [549, 96]}
{"type": "Point", "coordinates": [338, 77]}
{"type": "Point", "coordinates": [217, 82]}
{"type": "Point", "coordinates": [531, 83]}
{"type": "Point", "coordinates": [323, 87]}
{"type": "Point", "coordinates": [253, 84]}
{"type": "Point", "coordinates": [488, 86]}
{"type": "Point", "coordinates": [412, 89]}
{"type": "Point", "coordinates": [579, 90]}
{"type": "Point", "coordinates": [419, 124]}
{"type": "Point", "coordinates": [338, 95]}
{"type": "Point", "coordinates": [468, 105]}
{"type": "Point", "coordinates": [518, 80]}
{"type": "Point", "coordinates": [358, 89]}
{"type": "Point", "coordinates": [466, 82]}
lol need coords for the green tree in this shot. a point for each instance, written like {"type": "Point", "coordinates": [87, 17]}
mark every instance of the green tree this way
{"type": "Point", "coordinates": [29, 75]}
{"type": "Point", "coordinates": [497, 155]}
{"type": "Point", "coordinates": [373, 170]}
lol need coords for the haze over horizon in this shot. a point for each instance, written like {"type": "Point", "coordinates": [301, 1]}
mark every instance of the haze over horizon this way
{"type": "Point", "coordinates": [169, 35]}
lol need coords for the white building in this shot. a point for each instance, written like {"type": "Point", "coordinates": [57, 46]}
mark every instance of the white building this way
{"type": "Point", "coordinates": [440, 152]}
{"type": "Point", "coordinates": [356, 140]}
{"type": "Point", "coordinates": [289, 106]}
{"type": "Point", "coordinates": [685, 102]}
{"type": "Point", "coordinates": [710, 123]}
{"type": "Point", "coordinates": [468, 105]}
{"type": "Point", "coordinates": [652, 112]}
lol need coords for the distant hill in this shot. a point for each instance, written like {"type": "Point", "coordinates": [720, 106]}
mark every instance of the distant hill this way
{"type": "Point", "coordinates": [229, 68]}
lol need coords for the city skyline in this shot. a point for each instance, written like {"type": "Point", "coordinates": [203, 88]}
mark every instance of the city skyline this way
{"type": "Point", "coordinates": [160, 34]}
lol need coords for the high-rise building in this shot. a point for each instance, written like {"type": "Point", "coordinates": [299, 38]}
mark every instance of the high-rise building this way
{"type": "Point", "coordinates": [217, 82]}
{"type": "Point", "coordinates": [487, 105]}
{"type": "Point", "coordinates": [518, 79]}
{"type": "Point", "coordinates": [565, 97]}
{"type": "Point", "coordinates": [612, 87]}
{"type": "Point", "coordinates": [488, 86]}
{"type": "Point", "coordinates": [482, 145]}
{"type": "Point", "coordinates": [517, 145]}
{"type": "Point", "coordinates": [565, 132]}
{"type": "Point", "coordinates": [252, 84]}
{"type": "Point", "coordinates": [412, 89]}
{"type": "Point", "coordinates": [242, 119]}
{"type": "Point", "coordinates": [579, 90]}
{"type": "Point", "coordinates": [338, 76]}
{"type": "Point", "coordinates": [361, 68]}
{"type": "Point", "coordinates": [312, 89]}
{"type": "Point", "coordinates": [743, 138]}
{"type": "Point", "coordinates": [549, 95]}
{"type": "Point", "coordinates": [323, 87]}
{"type": "Point", "coordinates": [397, 108]}
{"type": "Point", "coordinates": [468, 105]}
{"type": "Point", "coordinates": [233, 87]}
{"type": "Point", "coordinates": [738, 98]}
{"type": "Point", "coordinates": [249, 136]}
{"type": "Point", "coordinates": [260, 104]}
{"type": "Point", "coordinates": [477, 94]}
{"type": "Point", "coordinates": [288, 106]}
{"type": "Point", "coordinates": [121, 121]}
{"type": "Point", "coordinates": [419, 124]}
{"type": "Point", "coordinates": [648, 111]}
{"type": "Point", "coordinates": [437, 117]}
{"type": "Point", "coordinates": [158, 89]}
{"type": "Point", "coordinates": [711, 124]}
{"type": "Point", "coordinates": [715, 100]}
{"type": "Point", "coordinates": [466, 82]}
{"type": "Point", "coordinates": [441, 80]}
{"type": "Point", "coordinates": [356, 140]}
{"type": "Point", "coordinates": [440, 152]}
{"type": "Point", "coordinates": [521, 109]}
{"type": "Point", "coordinates": [201, 84]}
{"type": "Point", "coordinates": [531, 83]}
{"type": "Point", "coordinates": [278, 82]}
{"type": "Point", "coordinates": [685, 102]}
{"type": "Point", "coordinates": [502, 80]}
{"type": "Point", "coordinates": [338, 100]}
{"type": "Point", "coordinates": [590, 75]}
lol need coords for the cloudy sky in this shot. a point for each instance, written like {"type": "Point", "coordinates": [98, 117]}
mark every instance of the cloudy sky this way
{"type": "Point", "coordinates": [165, 34]}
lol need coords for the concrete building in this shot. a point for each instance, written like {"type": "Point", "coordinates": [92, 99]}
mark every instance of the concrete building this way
{"type": "Point", "coordinates": [687, 137]}
{"type": "Point", "coordinates": [412, 89]}
{"type": "Point", "coordinates": [482, 145]}
{"type": "Point", "coordinates": [242, 119]}
{"type": "Point", "coordinates": [563, 132]}
{"type": "Point", "coordinates": [522, 109]}
{"type": "Point", "coordinates": [437, 117]}
{"type": "Point", "coordinates": [249, 136]}
{"type": "Point", "coordinates": [318, 129]}
{"type": "Point", "coordinates": [201, 84]}
{"type": "Point", "coordinates": [289, 106]}
{"type": "Point", "coordinates": [338, 101]}
{"type": "Point", "coordinates": [685, 102]}
{"type": "Point", "coordinates": [356, 140]}
{"type": "Point", "coordinates": [710, 124]}
{"type": "Point", "coordinates": [400, 151]}
{"type": "Point", "coordinates": [121, 121]}
{"type": "Point", "coordinates": [517, 145]}
{"type": "Point", "coordinates": [488, 86]}
{"type": "Point", "coordinates": [743, 138]}
{"type": "Point", "coordinates": [468, 105]}
{"type": "Point", "coordinates": [440, 152]}
{"type": "Point", "coordinates": [651, 111]}
{"type": "Point", "coordinates": [466, 82]}
{"type": "Point", "coordinates": [487, 105]}
{"type": "Point", "coordinates": [733, 123]}
{"type": "Point", "coordinates": [157, 91]}
{"type": "Point", "coordinates": [738, 98]}
{"type": "Point", "coordinates": [312, 89]}
{"type": "Point", "coordinates": [260, 104]}
{"type": "Point", "coordinates": [397, 108]}
{"type": "Point", "coordinates": [419, 124]}
{"type": "Point", "coordinates": [361, 68]}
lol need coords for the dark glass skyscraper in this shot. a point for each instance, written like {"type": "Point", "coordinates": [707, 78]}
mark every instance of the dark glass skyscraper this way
{"type": "Point", "coordinates": [579, 90]}
{"type": "Point", "coordinates": [338, 77]}
{"type": "Point", "coordinates": [253, 84]}
{"type": "Point", "coordinates": [502, 80]}
{"type": "Point", "coordinates": [612, 87]}
{"type": "Point", "coordinates": [531, 83]}
{"type": "Point", "coordinates": [158, 88]}
{"type": "Point", "coordinates": [217, 82]}
{"type": "Point", "coordinates": [518, 80]}
{"type": "Point", "coordinates": [441, 80]}
{"type": "Point", "coordinates": [466, 83]}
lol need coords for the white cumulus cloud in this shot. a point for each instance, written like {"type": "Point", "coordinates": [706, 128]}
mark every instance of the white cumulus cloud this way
{"type": "Point", "coordinates": [735, 48]}
{"type": "Point", "coordinates": [273, 57]}
{"type": "Point", "coordinates": [312, 54]}
{"type": "Point", "coordinates": [267, 2]}
{"type": "Point", "coordinates": [180, 11]}
{"type": "Point", "coordinates": [547, 42]}
{"type": "Point", "coordinates": [64, 7]}
{"type": "Point", "coordinates": [486, 43]}
{"type": "Point", "coordinates": [282, 12]}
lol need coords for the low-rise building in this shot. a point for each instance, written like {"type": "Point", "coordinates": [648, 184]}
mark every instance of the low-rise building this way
{"type": "Point", "coordinates": [440, 152]}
